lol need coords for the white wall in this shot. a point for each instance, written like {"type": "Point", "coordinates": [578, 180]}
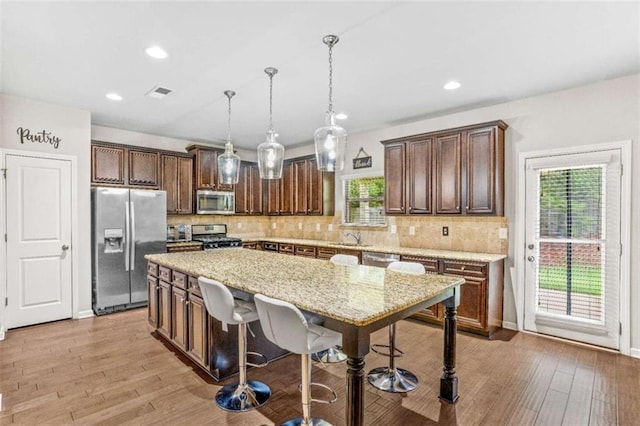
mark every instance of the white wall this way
{"type": "Point", "coordinates": [602, 112]}
{"type": "Point", "coordinates": [73, 126]}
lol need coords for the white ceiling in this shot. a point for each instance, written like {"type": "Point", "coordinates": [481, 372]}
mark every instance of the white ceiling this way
{"type": "Point", "coordinates": [389, 66]}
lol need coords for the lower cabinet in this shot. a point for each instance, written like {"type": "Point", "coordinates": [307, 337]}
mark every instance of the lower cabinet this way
{"type": "Point", "coordinates": [480, 309]}
{"type": "Point", "coordinates": [177, 313]}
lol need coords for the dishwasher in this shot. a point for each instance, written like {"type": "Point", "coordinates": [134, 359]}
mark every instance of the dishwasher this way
{"type": "Point", "coordinates": [379, 259]}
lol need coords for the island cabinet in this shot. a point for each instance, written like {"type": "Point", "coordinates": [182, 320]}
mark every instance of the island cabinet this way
{"type": "Point", "coordinates": [177, 314]}
{"type": "Point", "coordinates": [450, 172]}
{"type": "Point", "coordinates": [177, 180]}
{"type": "Point", "coordinates": [248, 190]}
{"type": "Point", "coordinates": [480, 309]}
{"type": "Point", "coordinates": [206, 168]}
{"type": "Point", "coordinates": [115, 164]}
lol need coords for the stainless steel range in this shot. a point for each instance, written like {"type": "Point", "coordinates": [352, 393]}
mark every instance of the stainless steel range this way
{"type": "Point", "coordinates": [214, 236]}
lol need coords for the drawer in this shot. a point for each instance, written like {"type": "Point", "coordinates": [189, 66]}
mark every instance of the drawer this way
{"type": "Point", "coordinates": [251, 245]}
{"type": "Point", "coordinates": [269, 246]}
{"type": "Point", "coordinates": [326, 253]}
{"type": "Point", "coordinates": [305, 251]}
{"type": "Point", "coordinates": [180, 280]}
{"type": "Point", "coordinates": [430, 264]}
{"type": "Point", "coordinates": [194, 287]}
{"type": "Point", "coordinates": [286, 248]}
{"type": "Point", "coordinates": [179, 249]}
{"type": "Point", "coordinates": [471, 269]}
{"type": "Point", "coordinates": [164, 274]}
{"type": "Point", "coordinates": [152, 269]}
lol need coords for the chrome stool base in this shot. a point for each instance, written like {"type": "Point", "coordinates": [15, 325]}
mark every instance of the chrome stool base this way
{"type": "Point", "coordinates": [396, 381]}
{"type": "Point", "coordinates": [238, 398]}
{"type": "Point", "coordinates": [299, 421]}
{"type": "Point", "coordinates": [329, 356]}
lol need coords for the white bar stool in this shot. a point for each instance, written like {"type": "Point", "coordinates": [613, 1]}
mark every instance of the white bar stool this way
{"type": "Point", "coordinates": [334, 354]}
{"type": "Point", "coordinates": [390, 378]}
{"type": "Point", "coordinates": [284, 325]}
{"type": "Point", "coordinates": [242, 395]}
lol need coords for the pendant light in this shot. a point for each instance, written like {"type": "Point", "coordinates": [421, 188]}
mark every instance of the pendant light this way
{"type": "Point", "coordinates": [228, 162]}
{"type": "Point", "coordinates": [331, 139]}
{"type": "Point", "coordinates": [270, 152]}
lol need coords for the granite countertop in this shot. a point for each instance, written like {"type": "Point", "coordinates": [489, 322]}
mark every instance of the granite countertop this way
{"type": "Point", "coordinates": [408, 251]}
{"type": "Point", "coordinates": [356, 295]}
{"type": "Point", "coordinates": [184, 244]}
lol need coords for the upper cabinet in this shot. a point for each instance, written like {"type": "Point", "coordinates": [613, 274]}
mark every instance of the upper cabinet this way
{"type": "Point", "coordinates": [249, 190]}
{"type": "Point", "coordinates": [114, 164]}
{"type": "Point", "coordinates": [451, 172]}
{"type": "Point", "coordinates": [206, 165]}
{"type": "Point", "coordinates": [302, 190]}
{"type": "Point", "coordinates": [177, 180]}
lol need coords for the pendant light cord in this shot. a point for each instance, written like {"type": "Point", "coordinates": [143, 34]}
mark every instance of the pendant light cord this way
{"type": "Point", "coordinates": [330, 78]}
{"type": "Point", "coordinates": [271, 103]}
{"type": "Point", "coordinates": [229, 122]}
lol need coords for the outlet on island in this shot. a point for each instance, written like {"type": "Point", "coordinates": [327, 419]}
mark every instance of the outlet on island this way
{"type": "Point", "coordinates": [445, 231]}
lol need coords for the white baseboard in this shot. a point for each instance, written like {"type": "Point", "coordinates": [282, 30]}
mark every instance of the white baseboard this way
{"type": "Point", "coordinates": [510, 325]}
{"type": "Point", "coordinates": [634, 352]}
{"type": "Point", "coordinates": [1, 333]}
{"type": "Point", "coordinates": [85, 314]}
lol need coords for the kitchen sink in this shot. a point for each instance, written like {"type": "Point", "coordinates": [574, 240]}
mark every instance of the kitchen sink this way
{"type": "Point", "coordinates": [350, 244]}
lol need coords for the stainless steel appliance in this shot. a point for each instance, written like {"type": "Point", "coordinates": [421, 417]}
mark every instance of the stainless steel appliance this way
{"type": "Point", "coordinates": [178, 233]}
{"type": "Point", "coordinates": [215, 202]}
{"type": "Point", "coordinates": [214, 236]}
{"type": "Point", "coordinates": [378, 259]}
{"type": "Point", "coordinates": [126, 225]}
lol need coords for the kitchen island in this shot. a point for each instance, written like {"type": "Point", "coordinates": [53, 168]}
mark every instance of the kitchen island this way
{"type": "Point", "coordinates": [354, 300]}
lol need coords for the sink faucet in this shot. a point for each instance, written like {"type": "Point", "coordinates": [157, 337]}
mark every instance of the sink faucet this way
{"type": "Point", "coordinates": [356, 236]}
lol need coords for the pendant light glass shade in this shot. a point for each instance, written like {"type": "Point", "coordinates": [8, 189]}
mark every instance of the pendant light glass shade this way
{"type": "Point", "coordinates": [331, 139]}
{"type": "Point", "coordinates": [270, 152]}
{"type": "Point", "coordinates": [228, 162]}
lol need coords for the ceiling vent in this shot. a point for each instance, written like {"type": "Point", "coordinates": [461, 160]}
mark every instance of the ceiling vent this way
{"type": "Point", "coordinates": [158, 92]}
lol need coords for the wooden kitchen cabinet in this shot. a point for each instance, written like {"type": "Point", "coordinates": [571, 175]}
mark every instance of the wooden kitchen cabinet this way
{"type": "Point", "coordinates": [152, 298]}
{"type": "Point", "coordinates": [307, 187]}
{"type": "Point", "coordinates": [164, 308]}
{"type": "Point", "coordinates": [206, 168]}
{"type": "Point", "coordinates": [279, 192]}
{"type": "Point", "coordinates": [107, 164]}
{"type": "Point", "coordinates": [179, 320]}
{"type": "Point", "coordinates": [451, 172]}
{"type": "Point", "coordinates": [480, 309]}
{"type": "Point", "coordinates": [197, 324]}
{"type": "Point", "coordinates": [431, 266]}
{"type": "Point", "coordinates": [249, 191]}
{"type": "Point", "coordinates": [123, 165]}
{"type": "Point", "coordinates": [177, 180]}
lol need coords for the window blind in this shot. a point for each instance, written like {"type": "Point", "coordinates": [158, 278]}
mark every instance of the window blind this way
{"type": "Point", "coordinates": [364, 201]}
{"type": "Point", "coordinates": [571, 257]}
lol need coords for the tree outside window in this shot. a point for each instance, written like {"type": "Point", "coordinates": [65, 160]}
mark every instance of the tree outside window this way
{"type": "Point", "coordinates": [364, 201]}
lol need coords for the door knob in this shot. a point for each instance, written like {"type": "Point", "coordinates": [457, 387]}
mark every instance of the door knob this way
{"type": "Point", "coordinates": [65, 247]}
{"type": "Point", "coordinates": [530, 246]}
{"type": "Point", "coordinates": [531, 258]}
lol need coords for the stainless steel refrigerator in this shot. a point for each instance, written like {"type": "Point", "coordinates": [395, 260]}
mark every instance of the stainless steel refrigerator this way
{"type": "Point", "coordinates": [126, 225]}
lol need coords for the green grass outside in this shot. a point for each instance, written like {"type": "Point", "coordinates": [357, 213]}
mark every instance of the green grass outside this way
{"type": "Point", "coordinates": [584, 279]}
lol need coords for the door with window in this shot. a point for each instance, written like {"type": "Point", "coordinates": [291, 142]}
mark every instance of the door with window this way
{"type": "Point", "coordinates": [572, 273]}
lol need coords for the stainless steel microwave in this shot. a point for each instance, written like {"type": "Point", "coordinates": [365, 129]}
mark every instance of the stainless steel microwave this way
{"type": "Point", "coordinates": [215, 202]}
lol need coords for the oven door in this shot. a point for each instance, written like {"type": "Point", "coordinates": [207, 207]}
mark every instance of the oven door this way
{"type": "Point", "coordinates": [215, 202]}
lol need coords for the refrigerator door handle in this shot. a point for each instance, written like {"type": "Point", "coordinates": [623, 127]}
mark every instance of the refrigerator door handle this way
{"type": "Point", "coordinates": [132, 260]}
{"type": "Point", "coordinates": [127, 235]}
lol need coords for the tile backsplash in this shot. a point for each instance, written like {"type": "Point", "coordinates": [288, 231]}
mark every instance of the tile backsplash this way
{"type": "Point", "coordinates": [475, 234]}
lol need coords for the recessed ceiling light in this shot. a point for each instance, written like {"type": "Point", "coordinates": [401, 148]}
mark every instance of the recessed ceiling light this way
{"type": "Point", "coordinates": [156, 52]}
{"type": "Point", "coordinates": [341, 116]}
{"type": "Point", "coordinates": [452, 85]}
{"type": "Point", "coordinates": [113, 96]}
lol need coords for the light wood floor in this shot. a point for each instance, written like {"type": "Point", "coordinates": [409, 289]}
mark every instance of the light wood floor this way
{"type": "Point", "coordinates": [110, 370]}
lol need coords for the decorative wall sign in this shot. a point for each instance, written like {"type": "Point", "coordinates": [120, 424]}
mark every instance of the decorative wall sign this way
{"type": "Point", "coordinates": [362, 160]}
{"type": "Point", "coordinates": [40, 137]}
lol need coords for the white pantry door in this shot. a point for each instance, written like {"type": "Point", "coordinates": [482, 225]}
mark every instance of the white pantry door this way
{"type": "Point", "coordinates": [39, 287]}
